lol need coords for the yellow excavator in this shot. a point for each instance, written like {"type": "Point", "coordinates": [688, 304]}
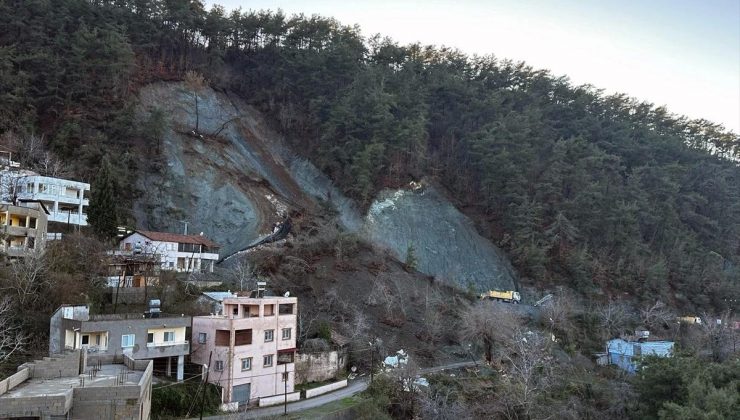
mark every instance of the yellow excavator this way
{"type": "Point", "coordinates": [507, 296]}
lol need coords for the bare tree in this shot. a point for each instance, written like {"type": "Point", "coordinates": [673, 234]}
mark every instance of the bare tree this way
{"type": "Point", "coordinates": [27, 278]}
{"type": "Point", "coordinates": [717, 334]}
{"type": "Point", "coordinates": [12, 338]}
{"type": "Point", "coordinates": [529, 364]}
{"type": "Point", "coordinates": [244, 274]}
{"type": "Point", "coordinates": [442, 404]}
{"type": "Point", "coordinates": [656, 316]}
{"type": "Point", "coordinates": [557, 313]}
{"type": "Point", "coordinates": [485, 324]}
{"type": "Point", "coordinates": [614, 318]}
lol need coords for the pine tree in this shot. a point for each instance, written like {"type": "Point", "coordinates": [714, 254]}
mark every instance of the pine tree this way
{"type": "Point", "coordinates": [411, 260]}
{"type": "Point", "coordinates": [102, 213]}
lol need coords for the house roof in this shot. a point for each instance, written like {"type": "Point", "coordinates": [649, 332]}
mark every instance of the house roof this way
{"type": "Point", "coordinates": [176, 237]}
{"type": "Point", "coordinates": [218, 296]}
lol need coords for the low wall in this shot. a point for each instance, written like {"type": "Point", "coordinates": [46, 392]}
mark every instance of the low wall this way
{"type": "Point", "coordinates": [14, 380]}
{"type": "Point", "coordinates": [58, 366]}
{"type": "Point", "coordinates": [318, 367]}
{"type": "Point", "coordinates": [313, 392]}
{"type": "Point", "coordinates": [279, 399]}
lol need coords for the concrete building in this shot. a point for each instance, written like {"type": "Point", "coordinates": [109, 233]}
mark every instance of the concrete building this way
{"type": "Point", "coordinates": [182, 253]}
{"type": "Point", "coordinates": [626, 354]}
{"type": "Point", "coordinates": [253, 345]}
{"type": "Point", "coordinates": [71, 386]}
{"type": "Point", "coordinates": [158, 337]}
{"type": "Point", "coordinates": [66, 200]}
{"type": "Point", "coordinates": [23, 228]}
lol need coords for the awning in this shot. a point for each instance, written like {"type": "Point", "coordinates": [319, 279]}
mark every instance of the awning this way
{"type": "Point", "coordinates": [291, 350]}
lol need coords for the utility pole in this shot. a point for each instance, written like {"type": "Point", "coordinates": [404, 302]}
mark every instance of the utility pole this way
{"type": "Point", "coordinates": [285, 380]}
{"type": "Point", "coordinates": [205, 385]}
{"type": "Point", "coordinates": [185, 222]}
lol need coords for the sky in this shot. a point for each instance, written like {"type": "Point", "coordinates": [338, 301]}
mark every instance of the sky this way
{"type": "Point", "coordinates": [684, 54]}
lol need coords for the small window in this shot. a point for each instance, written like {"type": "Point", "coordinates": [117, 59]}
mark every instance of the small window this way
{"type": "Point", "coordinates": [269, 335]}
{"type": "Point", "coordinates": [219, 365]}
{"type": "Point", "coordinates": [127, 340]}
{"type": "Point", "coordinates": [285, 376]}
{"type": "Point", "coordinates": [97, 340]}
{"type": "Point", "coordinates": [169, 336]}
{"type": "Point", "coordinates": [267, 360]}
{"type": "Point", "coordinates": [202, 338]}
{"type": "Point", "coordinates": [150, 338]}
{"type": "Point", "coordinates": [235, 310]}
{"type": "Point", "coordinates": [286, 333]}
{"type": "Point", "coordinates": [247, 363]}
{"type": "Point", "coordinates": [85, 339]}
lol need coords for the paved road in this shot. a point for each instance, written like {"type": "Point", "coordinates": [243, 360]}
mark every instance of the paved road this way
{"type": "Point", "coordinates": [354, 387]}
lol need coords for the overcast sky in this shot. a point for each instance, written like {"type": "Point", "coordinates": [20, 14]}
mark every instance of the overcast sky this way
{"type": "Point", "coordinates": [684, 54]}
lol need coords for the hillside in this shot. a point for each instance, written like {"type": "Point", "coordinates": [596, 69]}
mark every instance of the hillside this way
{"type": "Point", "coordinates": [600, 193]}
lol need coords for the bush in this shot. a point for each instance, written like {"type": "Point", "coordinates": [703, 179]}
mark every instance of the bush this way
{"type": "Point", "coordinates": [184, 400]}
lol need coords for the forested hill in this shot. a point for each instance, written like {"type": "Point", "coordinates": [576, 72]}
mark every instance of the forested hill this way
{"type": "Point", "coordinates": [599, 192]}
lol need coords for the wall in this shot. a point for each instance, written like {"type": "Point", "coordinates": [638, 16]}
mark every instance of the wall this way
{"type": "Point", "coordinates": [279, 399]}
{"type": "Point", "coordinates": [59, 324]}
{"type": "Point", "coordinates": [67, 364]}
{"type": "Point", "coordinates": [313, 392]}
{"type": "Point", "coordinates": [14, 380]}
{"type": "Point", "coordinates": [120, 402]}
{"type": "Point", "coordinates": [317, 367]}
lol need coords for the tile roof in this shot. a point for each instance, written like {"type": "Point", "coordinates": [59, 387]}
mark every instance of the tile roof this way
{"type": "Point", "coordinates": [181, 239]}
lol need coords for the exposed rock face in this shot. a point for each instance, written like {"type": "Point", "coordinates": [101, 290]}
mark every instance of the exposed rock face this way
{"type": "Point", "coordinates": [445, 242]}
{"type": "Point", "coordinates": [235, 177]}
{"type": "Point", "coordinates": [231, 186]}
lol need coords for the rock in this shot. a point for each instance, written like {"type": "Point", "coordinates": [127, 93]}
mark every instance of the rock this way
{"type": "Point", "coordinates": [445, 241]}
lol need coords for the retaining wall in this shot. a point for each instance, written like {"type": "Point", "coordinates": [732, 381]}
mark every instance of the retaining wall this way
{"type": "Point", "coordinates": [313, 392]}
{"type": "Point", "coordinates": [279, 399]}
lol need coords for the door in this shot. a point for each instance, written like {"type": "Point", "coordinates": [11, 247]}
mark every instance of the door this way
{"type": "Point", "coordinates": [241, 393]}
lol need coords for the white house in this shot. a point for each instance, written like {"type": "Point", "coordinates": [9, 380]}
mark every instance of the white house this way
{"type": "Point", "coordinates": [66, 200]}
{"type": "Point", "coordinates": [182, 253]}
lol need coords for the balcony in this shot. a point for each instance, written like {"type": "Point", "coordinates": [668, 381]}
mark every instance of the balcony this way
{"type": "Point", "coordinates": [167, 344]}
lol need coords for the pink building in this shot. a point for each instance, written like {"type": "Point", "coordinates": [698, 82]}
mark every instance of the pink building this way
{"type": "Point", "coordinates": [253, 345]}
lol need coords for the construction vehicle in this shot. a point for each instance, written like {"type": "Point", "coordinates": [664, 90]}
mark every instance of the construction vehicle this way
{"type": "Point", "coordinates": [507, 296]}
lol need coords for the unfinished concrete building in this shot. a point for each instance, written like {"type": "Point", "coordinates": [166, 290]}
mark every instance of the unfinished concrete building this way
{"type": "Point", "coordinates": [71, 386]}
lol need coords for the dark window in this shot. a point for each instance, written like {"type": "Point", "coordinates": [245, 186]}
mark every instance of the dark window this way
{"type": "Point", "coordinates": [243, 337]}
{"type": "Point", "coordinates": [285, 309]}
{"type": "Point", "coordinates": [150, 338]}
{"type": "Point", "coordinates": [85, 339]}
{"type": "Point", "coordinates": [223, 337]}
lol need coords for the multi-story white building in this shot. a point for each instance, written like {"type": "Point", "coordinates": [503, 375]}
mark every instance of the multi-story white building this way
{"type": "Point", "coordinates": [251, 345]}
{"type": "Point", "coordinates": [66, 200]}
{"type": "Point", "coordinates": [182, 253]}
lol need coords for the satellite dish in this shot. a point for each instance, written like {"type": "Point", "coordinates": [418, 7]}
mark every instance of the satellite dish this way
{"type": "Point", "coordinates": [287, 294]}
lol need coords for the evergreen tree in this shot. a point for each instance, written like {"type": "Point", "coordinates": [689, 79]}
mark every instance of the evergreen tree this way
{"type": "Point", "coordinates": [102, 213]}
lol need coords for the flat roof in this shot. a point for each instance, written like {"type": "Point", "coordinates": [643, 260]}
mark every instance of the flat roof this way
{"type": "Point", "coordinates": [106, 377]}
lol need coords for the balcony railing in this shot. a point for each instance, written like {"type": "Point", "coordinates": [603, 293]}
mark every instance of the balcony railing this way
{"type": "Point", "coordinates": [167, 344]}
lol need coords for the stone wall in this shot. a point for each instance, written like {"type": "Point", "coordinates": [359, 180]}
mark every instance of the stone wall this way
{"type": "Point", "coordinates": [317, 367]}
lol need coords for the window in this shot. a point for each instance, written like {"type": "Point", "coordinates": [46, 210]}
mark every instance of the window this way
{"type": "Point", "coordinates": [285, 309]}
{"type": "Point", "coordinates": [202, 338]}
{"type": "Point", "coordinates": [247, 363]}
{"type": "Point", "coordinates": [219, 365]}
{"type": "Point", "coordinates": [85, 339]}
{"type": "Point", "coordinates": [223, 337]}
{"type": "Point", "coordinates": [267, 360]}
{"type": "Point", "coordinates": [169, 336]}
{"type": "Point", "coordinates": [127, 340]}
{"type": "Point", "coordinates": [286, 333]}
{"type": "Point", "coordinates": [150, 338]}
{"type": "Point", "coordinates": [285, 376]}
{"type": "Point", "coordinates": [269, 335]}
{"type": "Point", "coordinates": [97, 340]}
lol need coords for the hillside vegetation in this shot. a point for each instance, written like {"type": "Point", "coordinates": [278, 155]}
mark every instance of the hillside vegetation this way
{"type": "Point", "coordinates": [598, 192]}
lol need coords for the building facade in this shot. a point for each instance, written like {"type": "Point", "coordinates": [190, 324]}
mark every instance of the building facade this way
{"type": "Point", "coordinates": [66, 200]}
{"type": "Point", "coordinates": [251, 345]}
{"type": "Point", "coordinates": [626, 354]}
{"type": "Point", "coordinates": [181, 253]}
{"type": "Point", "coordinates": [23, 228]}
{"type": "Point", "coordinates": [71, 386]}
{"type": "Point", "coordinates": [158, 337]}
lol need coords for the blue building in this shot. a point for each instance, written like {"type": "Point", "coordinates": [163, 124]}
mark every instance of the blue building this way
{"type": "Point", "coordinates": [626, 354]}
